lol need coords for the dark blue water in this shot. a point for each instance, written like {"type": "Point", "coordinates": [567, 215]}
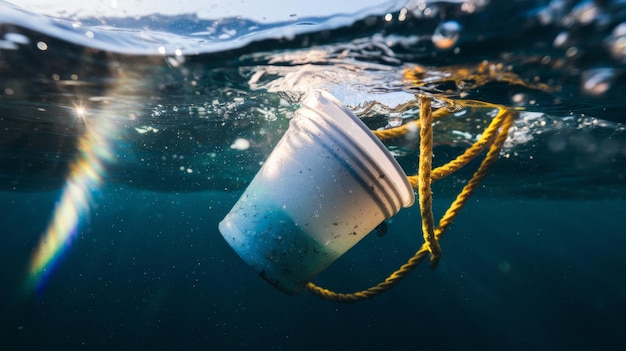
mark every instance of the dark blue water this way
{"type": "Point", "coordinates": [534, 261]}
{"type": "Point", "coordinates": [151, 271]}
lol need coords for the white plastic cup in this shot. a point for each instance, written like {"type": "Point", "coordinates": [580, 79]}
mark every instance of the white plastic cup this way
{"type": "Point", "coordinates": [328, 182]}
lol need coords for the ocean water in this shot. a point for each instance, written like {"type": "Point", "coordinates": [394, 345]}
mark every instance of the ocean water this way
{"type": "Point", "coordinates": [126, 136]}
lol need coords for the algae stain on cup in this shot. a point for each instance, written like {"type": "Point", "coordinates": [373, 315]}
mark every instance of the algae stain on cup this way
{"type": "Point", "coordinates": [327, 184]}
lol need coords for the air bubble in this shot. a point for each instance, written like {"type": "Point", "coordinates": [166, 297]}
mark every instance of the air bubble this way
{"type": "Point", "coordinates": [519, 99]}
{"type": "Point", "coordinates": [597, 81]}
{"type": "Point", "coordinates": [571, 52]}
{"type": "Point", "coordinates": [446, 35]}
{"type": "Point", "coordinates": [561, 40]}
{"type": "Point", "coordinates": [16, 38]}
{"type": "Point", "coordinates": [240, 144]}
{"type": "Point", "coordinates": [617, 42]}
{"type": "Point", "coordinates": [402, 15]}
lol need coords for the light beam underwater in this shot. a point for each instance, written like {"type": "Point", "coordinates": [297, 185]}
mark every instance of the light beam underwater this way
{"type": "Point", "coordinates": [84, 178]}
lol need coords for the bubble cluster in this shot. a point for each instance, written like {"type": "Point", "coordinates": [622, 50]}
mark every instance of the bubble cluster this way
{"type": "Point", "coordinates": [591, 39]}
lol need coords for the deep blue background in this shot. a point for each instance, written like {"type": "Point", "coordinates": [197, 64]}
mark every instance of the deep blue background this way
{"type": "Point", "coordinates": [150, 270]}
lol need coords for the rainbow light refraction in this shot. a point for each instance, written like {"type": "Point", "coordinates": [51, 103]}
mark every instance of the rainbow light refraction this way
{"type": "Point", "coordinates": [83, 179]}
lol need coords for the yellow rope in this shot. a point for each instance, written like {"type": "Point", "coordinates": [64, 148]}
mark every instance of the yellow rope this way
{"type": "Point", "coordinates": [499, 128]}
{"type": "Point", "coordinates": [485, 139]}
{"type": "Point", "coordinates": [424, 191]}
{"type": "Point", "coordinates": [481, 172]}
